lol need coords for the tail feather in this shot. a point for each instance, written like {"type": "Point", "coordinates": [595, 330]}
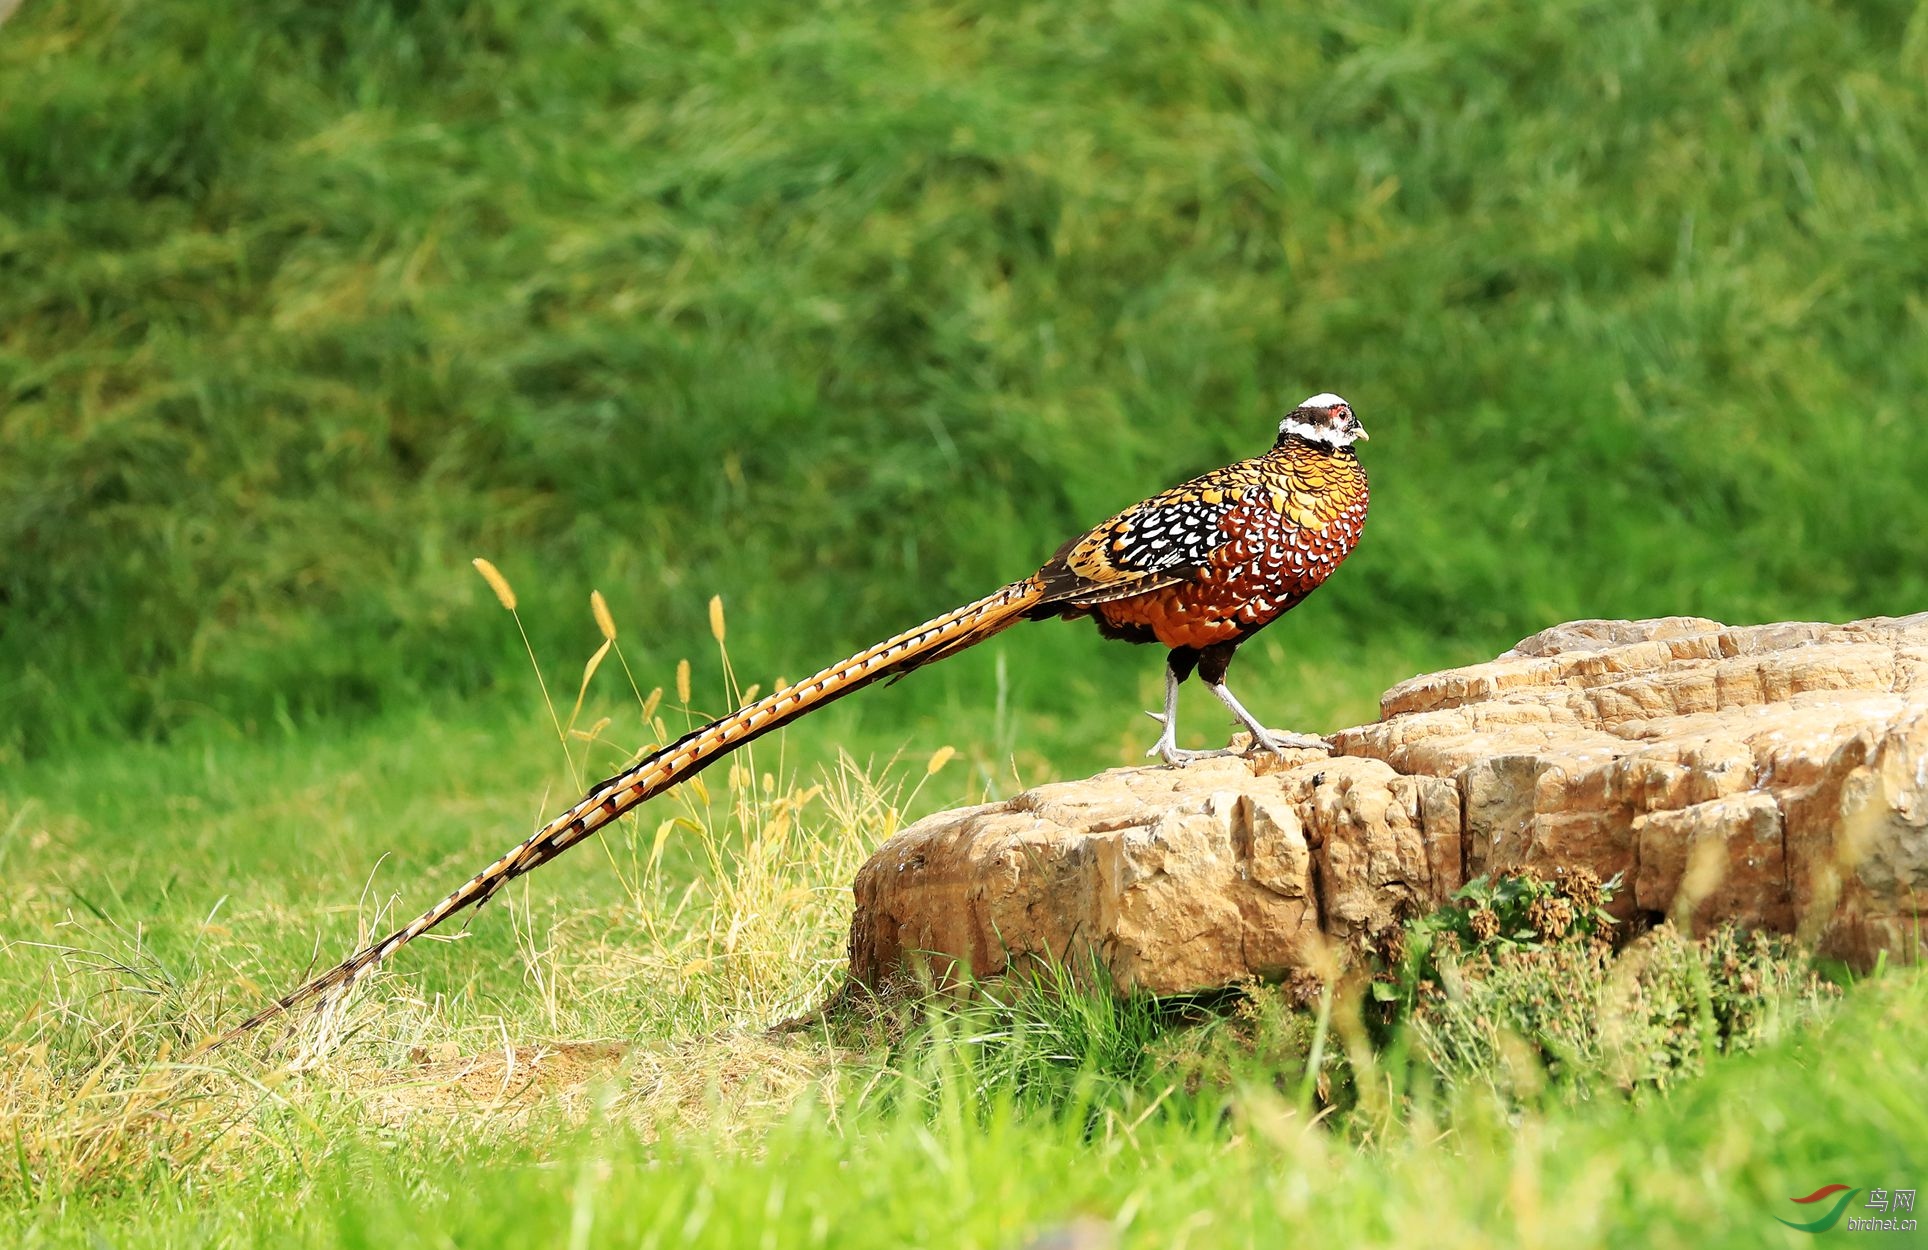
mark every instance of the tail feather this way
{"type": "Point", "coordinates": [680, 760]}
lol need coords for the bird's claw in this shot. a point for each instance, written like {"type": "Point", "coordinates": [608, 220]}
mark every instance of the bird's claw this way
{"type": "Point", "coordinates": [1177, 756]}
{"type": "Point", "coordinates": [1278, 743]}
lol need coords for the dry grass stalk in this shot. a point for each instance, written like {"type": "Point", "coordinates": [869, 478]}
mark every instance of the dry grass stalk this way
{"type": "Point", "coordinates": [588, 675]}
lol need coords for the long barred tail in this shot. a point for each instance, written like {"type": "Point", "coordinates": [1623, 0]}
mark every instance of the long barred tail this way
{"type": "Point", "coordinates": [679, 761]}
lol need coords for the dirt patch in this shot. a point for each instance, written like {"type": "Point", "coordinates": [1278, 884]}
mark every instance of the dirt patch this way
{"type": "Point", "coordinates": [727, 1079]}
{"type": "Point", "coordinates": [513, 1079]}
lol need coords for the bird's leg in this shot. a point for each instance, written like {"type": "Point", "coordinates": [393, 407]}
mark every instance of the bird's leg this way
{"type": "Point", "coordinates": [1212, 663]}
{"type": "Point", "coordinates": [1264, 739]}
{"type": "Point", "coordinates": [1166, 748]}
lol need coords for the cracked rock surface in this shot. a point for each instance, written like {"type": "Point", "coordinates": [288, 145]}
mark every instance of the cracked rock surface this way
{"type": "Point", "coordinates": [1771, 775]}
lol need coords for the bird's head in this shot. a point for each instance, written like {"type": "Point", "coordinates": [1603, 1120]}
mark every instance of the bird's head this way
{"type": "Point", "coordinates": [1324, 419]}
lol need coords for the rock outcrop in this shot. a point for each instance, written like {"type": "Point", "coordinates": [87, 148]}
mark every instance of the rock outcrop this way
{"type": "Point", "coordinates": [1771, 775]}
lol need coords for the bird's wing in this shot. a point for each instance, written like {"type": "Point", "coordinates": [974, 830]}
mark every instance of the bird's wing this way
{"type": "Point", "coordinates": [1161, 542]}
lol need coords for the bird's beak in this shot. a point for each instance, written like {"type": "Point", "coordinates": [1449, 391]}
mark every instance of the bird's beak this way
{"type": "Point", "coordinates": [1359, 432]}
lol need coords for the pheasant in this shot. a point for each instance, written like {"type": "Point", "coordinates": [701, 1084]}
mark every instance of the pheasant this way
{"type": "Point", "coordinates": [1198, 569]}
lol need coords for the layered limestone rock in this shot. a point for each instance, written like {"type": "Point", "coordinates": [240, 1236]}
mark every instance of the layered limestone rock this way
{"type": "Point", "coordinates": [1771, 775]}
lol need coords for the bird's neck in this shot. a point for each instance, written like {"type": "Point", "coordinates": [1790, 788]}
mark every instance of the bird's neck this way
{"type": "Point", "coordinates": [1291, 444]}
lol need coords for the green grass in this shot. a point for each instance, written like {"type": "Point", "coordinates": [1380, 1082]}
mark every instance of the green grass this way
{"type": "Point", "coordinates": [1711, 1167]}
{"type": "Point", "coordinates": [853, 313]}
{"type": "Point", "coordinates": [1707, 1169]}
{"type": "Point", "coordinates": [849, 313]}
{"type": "Point", "coordinates": [157, 891]}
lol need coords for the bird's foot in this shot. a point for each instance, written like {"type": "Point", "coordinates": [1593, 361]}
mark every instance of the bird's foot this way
{"type": "Point", "coordinates": [1177, 756]}
{"type": "Point", "coordinates": [1278, 742]}
{"type": "Point", "coordinates": [1168, 750]}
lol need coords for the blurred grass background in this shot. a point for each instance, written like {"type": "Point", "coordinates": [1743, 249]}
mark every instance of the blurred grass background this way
{"type": "Point", "coordinates": [852, 312]}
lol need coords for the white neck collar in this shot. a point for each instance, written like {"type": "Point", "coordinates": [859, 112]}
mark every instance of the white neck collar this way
{"type": "Point", "coordinates": [1322, 434]}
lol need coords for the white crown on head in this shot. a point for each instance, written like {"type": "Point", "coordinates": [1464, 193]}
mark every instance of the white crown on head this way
{"type": "Point", "coordinates": [1322, 430]}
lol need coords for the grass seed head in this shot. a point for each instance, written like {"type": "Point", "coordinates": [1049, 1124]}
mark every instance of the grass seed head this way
{"type": "Point", "coordinates": [498, 583]}
{"type": "Point", "coordinates": [716, 617]}
{"type": "Point", "coordinates": [599, 606]}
